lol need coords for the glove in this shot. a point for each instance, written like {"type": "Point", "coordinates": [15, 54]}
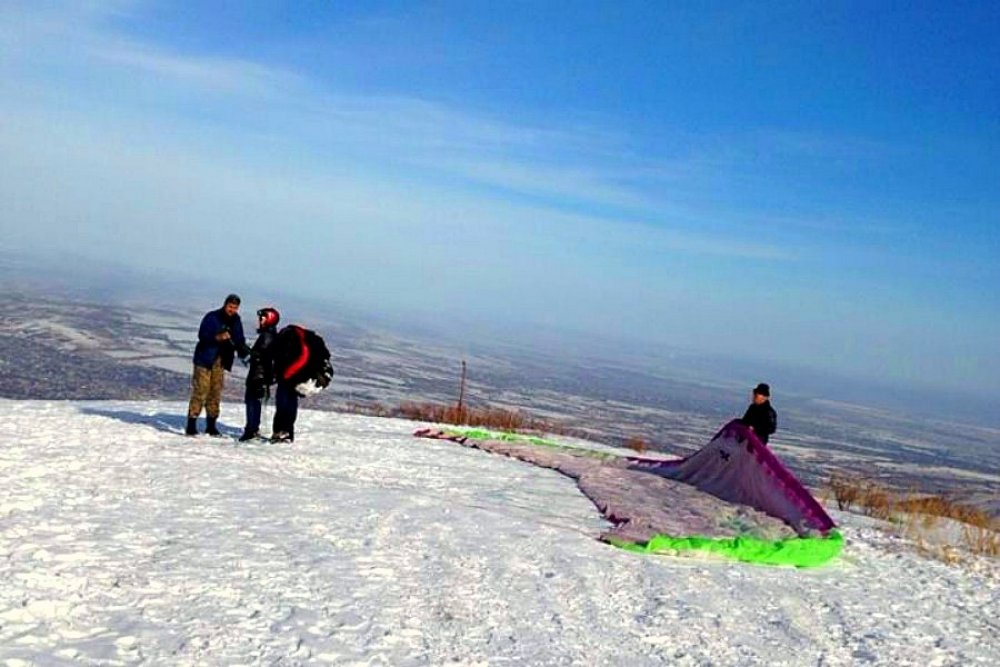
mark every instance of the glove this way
{"type": "Point", "coordinates": [325, 375]}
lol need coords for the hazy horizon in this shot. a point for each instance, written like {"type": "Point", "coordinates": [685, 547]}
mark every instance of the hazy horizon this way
{"type": "Point", "coordinates": [121, 285]}
{"type": "Point", "coordinates": [757, 180]}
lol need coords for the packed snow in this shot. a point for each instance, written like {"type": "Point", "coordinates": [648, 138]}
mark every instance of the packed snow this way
{"type": "Point", "coordinates": [124, 542]}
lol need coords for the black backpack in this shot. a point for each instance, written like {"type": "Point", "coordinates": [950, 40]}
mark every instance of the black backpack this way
{"type": "Point", "coordinates": [302, 359]}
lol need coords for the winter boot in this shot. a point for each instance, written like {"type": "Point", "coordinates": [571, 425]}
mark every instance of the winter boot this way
{"type": "Point", "coordinates": [249, 435]}
{"type": "Point", "coordinates": [282, 436]}
{"type": "Point", "coordinates": [210, 426]}
{"type": "Point", "coordinates": [192, 426]}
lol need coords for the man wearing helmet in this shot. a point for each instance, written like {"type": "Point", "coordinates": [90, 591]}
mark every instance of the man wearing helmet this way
{"type": "Point", "coordinates": [220, 339]}
{"type": "Point", "coordinates": [261, 373]}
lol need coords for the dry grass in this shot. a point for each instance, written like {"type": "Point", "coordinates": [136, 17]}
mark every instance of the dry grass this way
{"type": "Point", "coordinates": [916, 515]}
{"type": "Point", "coordinates": [637, 444]}
{"type": "Point", "coordinates": [372, 409]}
{"type": "Point", "coordinates": [496, 418]}
{"type": "Point", "coordinates": [846, 491]}
{"type": "Point", "coordinates": [982, 539]}
{"type": "Point", "coordinates": [502, 419]}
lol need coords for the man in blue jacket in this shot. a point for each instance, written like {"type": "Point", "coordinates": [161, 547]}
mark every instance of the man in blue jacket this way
{"type": "Point", "coordinates": [220, 339]}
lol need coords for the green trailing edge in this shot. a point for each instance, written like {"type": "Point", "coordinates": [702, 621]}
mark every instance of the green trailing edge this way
{"type": "Point", "coordinates": [483, 434]}
{"type": "Point", "coordinates": [797, 551]}
{"type": "Point", "coordinates": [507, 436]}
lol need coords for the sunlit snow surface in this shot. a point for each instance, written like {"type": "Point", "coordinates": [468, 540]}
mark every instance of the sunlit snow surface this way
{"type": "Point", "coordinates": [122, 542]}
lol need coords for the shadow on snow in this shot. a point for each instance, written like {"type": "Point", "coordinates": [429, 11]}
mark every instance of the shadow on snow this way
{"type": "Point", "coordinates": [161, 421]}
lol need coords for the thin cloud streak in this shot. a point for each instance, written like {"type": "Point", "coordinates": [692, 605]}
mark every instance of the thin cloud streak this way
{"type": "Point", "coordinates": [565, 168]}
{"type": "Point", "coordinates": [214, 75]}
{"type": "Point", "coordinates": [127, 147]}
{"type": "Point", "coordinates": [170, 172]}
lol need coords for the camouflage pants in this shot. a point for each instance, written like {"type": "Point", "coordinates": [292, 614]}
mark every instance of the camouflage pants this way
{"type": "Point", "coordinates": [206, 390]}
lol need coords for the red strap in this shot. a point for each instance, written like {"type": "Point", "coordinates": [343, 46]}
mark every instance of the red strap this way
{"type": "Point", "coordinates": [303, 359]}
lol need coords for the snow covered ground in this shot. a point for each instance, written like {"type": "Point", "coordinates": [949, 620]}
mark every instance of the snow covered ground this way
{"type": "Point", "coordinates": [122, 542]}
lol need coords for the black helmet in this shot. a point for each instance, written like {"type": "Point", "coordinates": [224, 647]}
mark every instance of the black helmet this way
{"type": "Point", "coordinates": [268, 317]}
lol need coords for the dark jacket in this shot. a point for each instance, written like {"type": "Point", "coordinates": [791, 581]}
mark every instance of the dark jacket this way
{"type": "Point", "coordinates": [290, 353]}
{"type": "Point", "coordinates": [301, 355]}
{"type": "Point", "coordinates": [261, 373]}
{"type": "Point", "coordinates": [762, 418]}
{"type": "Point", "coordinates": [208, 348]}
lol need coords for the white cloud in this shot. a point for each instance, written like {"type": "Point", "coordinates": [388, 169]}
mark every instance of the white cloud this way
{"type": "Point", "coordinates": [216, 75]}
{"type": "Point", "coordinates": [556, 169]}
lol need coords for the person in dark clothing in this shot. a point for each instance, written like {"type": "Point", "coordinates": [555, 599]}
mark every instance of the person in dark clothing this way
{"type": "Point", "coordinates": [286, 410]}
{"type": "Point", "coordinates": [260, 377]}
{"type": "Point", "coordinates": [289, 353]}
{"type": "Point", "coordinates": [301, 368]}
{"type": "Point", "coordinates": [220, 339]}
{"type": "Point", "coordinates": [760, 417]}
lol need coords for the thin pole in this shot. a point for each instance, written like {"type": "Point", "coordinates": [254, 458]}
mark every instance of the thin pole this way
{"type": "Point", "coordinates": [461, 389]}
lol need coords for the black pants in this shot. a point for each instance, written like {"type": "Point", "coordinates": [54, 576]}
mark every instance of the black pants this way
{"type": "Point", "coordinates": [253, 403]}
{"type": "Point", "coordinates": [286, 409]}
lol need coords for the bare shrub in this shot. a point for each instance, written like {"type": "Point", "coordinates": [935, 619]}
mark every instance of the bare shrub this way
{"type": "Point", "coordinates": [372, 409]}
{"type": "Point", "coordinates": [637, 444]}
{"type": "Point", "coordinates": [496, 418]}
{"type": "Point", "coordinates": [846, 490]}
{"type": "Point", "coordinates": [983, 540]}
{"type": "Point", "coordinates": [918, 514]}
{"type": "Point", "coordinates": [878, 502]}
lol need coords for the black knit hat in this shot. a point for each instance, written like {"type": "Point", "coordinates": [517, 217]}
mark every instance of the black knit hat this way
{"type": "Point", "coordinates": [232, 298]}
{"type": "Point", "coordinates": [762, 389]}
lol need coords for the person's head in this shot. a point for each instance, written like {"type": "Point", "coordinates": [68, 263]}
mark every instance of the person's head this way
{"type": "Point", "coordinates": [267, 317]}
{"type": "Point", "coordinates": [761, 393]}
{"type": "Point", "coordinates": [231, 305]}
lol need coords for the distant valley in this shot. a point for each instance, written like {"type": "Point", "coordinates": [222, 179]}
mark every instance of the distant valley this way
{"type": "Point", "coordinates": [72, 348]}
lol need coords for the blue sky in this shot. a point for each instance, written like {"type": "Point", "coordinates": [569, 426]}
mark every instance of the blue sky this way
{"type": "Point", "coordinates": [811, 183]}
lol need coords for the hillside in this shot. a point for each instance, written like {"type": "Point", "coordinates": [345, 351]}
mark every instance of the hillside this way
{"type": "Point", "coordinates": [123, 542]}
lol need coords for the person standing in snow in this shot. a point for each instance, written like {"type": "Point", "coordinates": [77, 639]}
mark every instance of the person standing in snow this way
{"type": "Point", "coordinates": [220, 339]}
{"type": "Point", "coordinates": [760, 417]}
{"type": "Point", "coordinates": [261, 374]}
{"type": "Point", "coordinates": [288, 349]}
{"type": "Point", "coordinates": [301, 368]}
{"type": "Point", "coordinates": [286, 410]}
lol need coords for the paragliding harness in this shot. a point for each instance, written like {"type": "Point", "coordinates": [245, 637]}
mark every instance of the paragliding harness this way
{"type": "Point", "coordinates": [302, 360]}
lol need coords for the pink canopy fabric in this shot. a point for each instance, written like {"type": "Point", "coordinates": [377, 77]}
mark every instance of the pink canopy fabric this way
{"type": "Point", "coordinates": [737, 467]}
{"type": "Point", "coordinates": [638, 505]}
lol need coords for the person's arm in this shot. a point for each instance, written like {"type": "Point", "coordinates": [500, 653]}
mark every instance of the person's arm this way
{"type": "Point", "coordinates": [239, 341]}
{"type": "Point", "coordinates": [267, 350]}
{"type": "Point", "coordinates": [255, 377]}
{"type": "Point", "coordinates": [209, 332]}
{"type": "Point", "coordinates": [772, 421]}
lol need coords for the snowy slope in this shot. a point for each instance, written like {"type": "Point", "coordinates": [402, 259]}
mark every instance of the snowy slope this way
{"type": "Point", "coordinates": [122, 542]}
